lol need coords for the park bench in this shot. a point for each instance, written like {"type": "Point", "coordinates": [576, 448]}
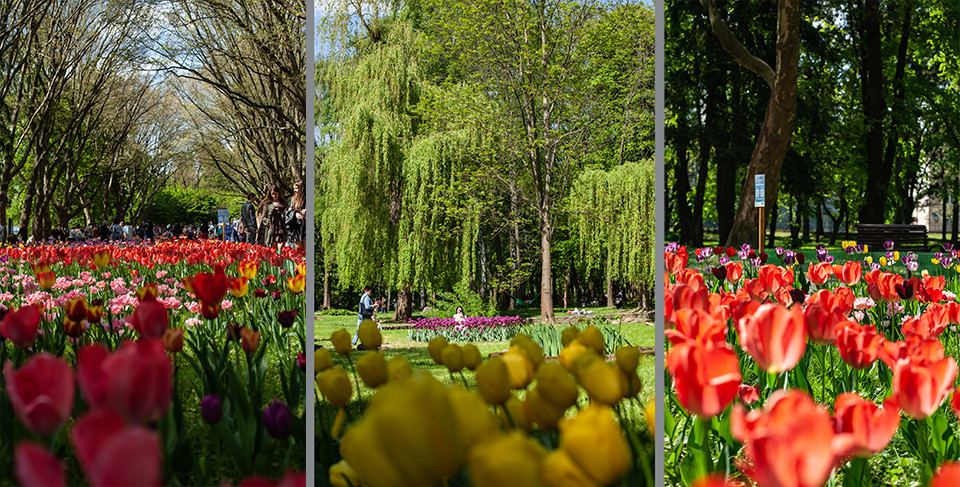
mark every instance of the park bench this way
{"type": "Point", "coordinates": [904, 237]}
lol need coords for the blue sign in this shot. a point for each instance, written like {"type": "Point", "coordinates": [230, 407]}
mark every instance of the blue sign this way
{"type": "Point", "coordinates": [223, 216]}
{"type": "Point", "coordinates": [759, 191]}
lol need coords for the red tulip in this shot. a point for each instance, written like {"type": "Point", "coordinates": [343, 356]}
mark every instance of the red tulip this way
{"type": "Point", "coordinates": [859, 345]}
{"type": "Point", "coordinates": [755, 290]}
{"type": "Point", "coordinates": [210, 290]}
{"type": "Point", "coordinates": [112, 453]}
{"type": "Point", "coordinates": [849, 273]}
{"type": "Point", "coordinates": [822, 326]}
{"type": "Point", "coordinates": [748, 394]}
{"type": "Point", "coordinates": [773, 278]}
{"type": "Point", "coordinates": [819, 273]}
{"type": "Point", "coordinates": [76, 308]}
{"type": "Point", "coordinates": [928, 325]}
{"type": "Point", "coordinates": [691, 278]}
{"type": "Point", "coordinates": [20, 326]}
{"type": "Point", "coordinates": [887, 287]}
{"type": "Point", "coordinates": [912, 348]}
{"type": "Point", "coordinates": [840, 300]}
{"type": "Point", "coordinates": [948, 475]}
{"type": "Point", "coordinates": [933, 288]}
{"type": "Point", "coordinates": [872, 426]}
{"type": "Point", "coordinates": [774, 336]}
{"type": "Point", "coordinates": [135, 381]}
{"type": "Point", "coordinates": [920, 386]}
{"type": "Point", "coordinates": [705, 377]}
{"type": "Point", "coordinates": [734, 272]}
{"type": "Point", "coordinates": [147, 293]}
{"type": "Point", "coordinates": [41, 392]}
{"type": "Point", "coordinates": [46, 280]}
{"type": "Point", "coordinates": [35, 465]}
{"type": "Point", "coordinates": [150, 319]}
{"type": "Point", "coordinates": [697, 325]}
{"type": "Point", "coordinates": [953, 312]}
{"type": "Point", "coordinates": [955, 402]}
{"type": "Point", "coordinates": [714, 480]}
{"type": "Point", "coordinates": [674, 261]}
{"type": "Point", "coordinates": [789, 443]}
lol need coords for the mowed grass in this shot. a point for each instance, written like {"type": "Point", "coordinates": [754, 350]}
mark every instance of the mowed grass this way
{"type": "Point", "coordinates": [398, 342]}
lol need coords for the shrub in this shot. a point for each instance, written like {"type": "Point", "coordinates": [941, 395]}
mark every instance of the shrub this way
{"type": "Point", "coordinates": [548, 336]}
{"type": "Point", "coordinates": [473, 329]}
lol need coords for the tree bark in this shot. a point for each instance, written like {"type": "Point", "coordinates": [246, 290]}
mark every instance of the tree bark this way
{"type": "Point", "coordinates": [682, 187]}
{"type": "Point", "coordinates": [874, 109]}
{"type": "Point", "coordinates": [610, 280]}
{"type": "Point", "coordinates": [404, 305]}
{"type": "Point", "coordinates": [775, 134]}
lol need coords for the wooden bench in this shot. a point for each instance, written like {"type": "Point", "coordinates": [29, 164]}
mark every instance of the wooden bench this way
{"type": "Point", "coordinates": [904, 237]}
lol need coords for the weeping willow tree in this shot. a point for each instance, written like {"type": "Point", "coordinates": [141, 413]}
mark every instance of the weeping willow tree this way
{"type": "Point", "coordinates": [613, 215]}
{"type": "Point", "coordinates": [392, 210]}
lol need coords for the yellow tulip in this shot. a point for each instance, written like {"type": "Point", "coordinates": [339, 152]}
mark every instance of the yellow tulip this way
{"type": "Point", "coordinates": [519, 367]}
{"type": "Point", "coordinates": [592, 337]}
{"type": "Point", "coordinates": [571, 352]}
{"type": "Point", "coordinates": [558, 470]}
{"type": "Point", "coordinates": [628, 358]}
{"type": "Point", "coordinates": [334, 384]}
{"type": "Point", "coordinates": [556, 385]}
{"type": "Point", "coordinates": [452, 357]}
{"type": "Point", "coordinates": [343, 475]}
{"type": "Point", "coordinates": [896, 255]}
{"type": "Point", "coordinates": [338, 423]}
{"type": "Point", "coordinates": [869, 260]}
{"type": "Point", "coordinates": [322, 360]}
{"type": "Point", "coordinates": [517, 415]}
{"type": "Point", "coordinates": [398, 368]}
{"type": "Point", "coordinates": [297, 283]}
{"type": "Point", "coordinates": [369, 334]}
{"type": "Point", "coordinates": [372, 368]}
{"type": "Point", "coordinates": [543, 412]}
{"type": "Point", "coordinates": [649, 413]}
{"type": "Point", "coordinates": [569, 334]}
{"type": "Point", "coordinates": [475, 421]}
{"type": "Point", "coordinates": [471, 356]}
{"type": "Point", "coordinates": [435, 347]}
{"type": "Point", "coordinates": [341, 341]}
{"type": "Point", "coordinates": [602, 382]}
{"type": "Point", "coordinates": [883, 261]}
{"type": "Point", "coordinates": [493, 381]}
{"type": "Point", "coordinates": [594, 441]}
{"type": "Point", "coordinates": [511, 459]}
{"type": "Point", "coordinates": [533, 351]}
{"type": "Point", "coordinates": [630, 384]}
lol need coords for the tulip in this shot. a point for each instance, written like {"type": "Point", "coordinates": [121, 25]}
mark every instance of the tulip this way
{"type": "Point", "coordinates": [41, 392]}
{"type": "Point", "coordinates": [849, 273]}
{"type": "Point", "coordinates": [297, 283]}
{"type": "Point", "coordinates": [452, 357]}
{"type": "Point", "coordinates": [135, 381]}
{"type": "Point", "coordinates": [302, 361]}
{"type": "Point", "coordinates": [372, 368]}
{"type": "Point", "coordinates": [948, 475]}
{"type": "Point", "coordinates": [248, 269]}
{"type": "Point", "coordinates": [511, 459]}
{"type": "Point", "coordinates": [859, 345]}
{"type": "Point", "coordinates": [706, 378]}
{"type": "Point", "coordinates": [921, 386]}
{"type": "Point", "coordinates": [369, 334]}
{"type": "Point", "coordinates": [173, 339]}
{"type": "Point", "coordinates": [514, 415]}
{"type": "Point", "coordinates": [73, 329]}
{"type": "Point", "coordinates": [147, 293]}
{"type": "Point", "coordinates": [734, 272]}
{"type": "Point", "coordinates": [35, 465]}
{"type": "Point", "coordinates": [529, 348]}
{"type": "Point", "coordinates": [747, 394]}
{"type": "Point", "coordinates": [595, 442]}
{"type": "Point", "coordinates": [249, 340]}
{"type": "Point", "coordinates": [211, 409]}
{"type": "Point", "coordinates": [278, 420]}
{"type": "Point", "coordinates": [20, 326]}
{"type": "Point", "coordinates": [474, 419]}
{"type": "Point", "coordinates": [592, 338]}
{"type": "Point", "coordinates": [871, 426]}
{"type": "Point", "coordinates": [696, 325]}
{"type": "Point", "coordinates": [112, 453]}
{"type": "Point", "coordinates": [559, 470]}
{"type": "Point", "coordinates": [239, 286]}
{"type": "Point", "coordinates": [398, 368]}
{"type": "Point", "coordinates": [774, 336]}
{"type": "Point", "coordinates": [568, 335]}
{"type": "Point", "coordinates": [341, 474]}
{"type": "Point", "coordinates": [435, 348]}
{"type": "Point", "coordinates": [601, 380]}
{"type": "Point", "coordinates": [471, 356]}
{"type": "Point", "coordinates": [571, 352]}
{"type": "Point", "coordinates": [150, 319]}
{"type": "Point", "coordinates": [94, 311]}
{"type": "Point", "coordinates": [822, 325]}
{"type": "Point", "coordinates": [519, 368]}
{"type": "Point", "coordinates": [286, 318]}
{"type": "Point", "coordinates": [493, 381]}
{"type": "Point", "coordinates": [341, 341]}
{"type": "Point", "coordinates": [955, 403]}
{"type": "Point", "coordinates": [819, 273]}
{"type": "Point", "coordinates": [628, 358]}
{"type": "Point", "coordinates": [46, 280]}
{"type": "Point", "coordinates": [334, 384]}
{"type": "Point", "coordinates": [542, 411]}
{"type": "Point", "coordinates": [100, 258]}
{"type": "Point", "coordinates": [210, 290]}
{"type": "Point", "coordinates": [76, 308]}
{"type": "Point", "coordinates": [556, 385]}
{"type": "Point", "coordinates": [774, 278]}
{"type": "Point", "coordinates": [233, 331]}
{"type": "Point", "coordinates": [322, 360]}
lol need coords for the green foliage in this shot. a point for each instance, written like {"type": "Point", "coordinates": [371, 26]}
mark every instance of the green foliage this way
{"type": "Point", "coordinates": [191, 205]}
{"type": "Point", "coordinates": [461, 295]}
{"type": "Point", "coordinates": [548, 336]}
{"type": "Point", "coordinates": [495, 334]}
{"type": "Point", "coordinates": [338, 312]}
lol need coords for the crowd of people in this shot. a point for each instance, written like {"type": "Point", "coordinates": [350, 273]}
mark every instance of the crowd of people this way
{"type": "Point", "coordinates": [269, 221]}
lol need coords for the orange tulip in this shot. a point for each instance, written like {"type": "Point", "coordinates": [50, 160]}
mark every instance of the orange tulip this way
{"type": "Point", "coordinates": [774, 278]}
{"type": "Point", "coordinates": [697, 325]}
{"type": "Point", "coordinates": [675, 261]}
{"type": "Point", "coordinates": [911, 348]}
{"type": "Point", "coordinates": [926, 326]}
{"type": "Point", "coordinates": [849, 273]}
{"type": "Point", "coordinates": [774, 336]}
{"type": "Point", "coordinates": [755, 290]}
{"type": "Point", "coordinates": [705, 377]}
{"type": "Point", "coordinates": [887, 287]}
{"type": "Point", "coordinates": [249, 340]}
{"type": "Point", "coordinates": [841, 300]}
{"type": "Point", "coordinates": [948, 475]}
{"type": "Point", "coordinates": [819, 273]}
{"type": "Point", "coordinates": [872, 426]}
{"type": "Point", "coordinates": [933, 288]}
{"type": "Point", "coordinates": [859, 345]}
{"type": "Point", "coordinates": [46, 280]}
{"type": "Point", "coordinates": [822, 325]}
{"type": "Point", "coordinates": [790, 442]}
{"type": "Point", "coordinates": [239, 286]}
{"type": "Point", "coordinates": [734, 272]}
{"type": "Point", "coordinates": [920, 386]}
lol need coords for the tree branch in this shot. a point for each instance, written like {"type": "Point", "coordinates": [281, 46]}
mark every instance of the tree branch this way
{"type": "Point", "coordinates": [735, 48]}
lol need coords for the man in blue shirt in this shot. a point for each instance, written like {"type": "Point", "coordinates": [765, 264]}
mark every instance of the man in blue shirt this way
{"type": "Point", "coordinates": [365, 311]}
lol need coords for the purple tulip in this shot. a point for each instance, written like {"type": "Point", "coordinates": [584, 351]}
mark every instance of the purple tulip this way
{"type": "Point", "coordinates": [211, 409]}
{"type": "Point", "coordinates": [286, 318]}
{"type": "Point", "coordinates": [278, 420]}
{"type": "Point", "coordinates": [888, 245]}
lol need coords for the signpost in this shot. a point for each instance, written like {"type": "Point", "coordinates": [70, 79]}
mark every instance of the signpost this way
{"type": "Point", "coordinates": [223, 219]}
{"type": "Point", "coordinates": [759, 202]}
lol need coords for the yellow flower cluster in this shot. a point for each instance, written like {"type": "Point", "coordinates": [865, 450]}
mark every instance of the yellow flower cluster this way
{"type": "Point", "coordinates": [417, 431]}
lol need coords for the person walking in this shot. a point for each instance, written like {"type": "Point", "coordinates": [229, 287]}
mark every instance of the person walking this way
{"type": "Point", "coordinates": [365, 311]}
{"type": "Point", "coordinates": [295, 217]}
{"type": "Point", "coordinates": [248, 215]}
{"type": "Point", "coordinates": [275, 216]}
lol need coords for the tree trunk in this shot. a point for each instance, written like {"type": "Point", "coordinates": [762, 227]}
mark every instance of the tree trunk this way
{"type": "Point", "coordinates": [775, 134]}
{"type": "Point", "coordinates": [874, 109]}
{"type": "Point", "coordinates": [326, 287]}
{"type": "Point", "coordinates": [772, 218]}
{"type": "Point", "coordinates": [956, 209]}
{"type": "Point", "coordinates": [546, 283]}
{"type": "Point", "coordinates": [610, 279]}
{"type": "Point", "coordinates": [567, 282]}
{"type": "Point", "coordinates": [820, 230]}
{"type": "Point", "coordinates": [404, 305]}
{"type": "Point", "coordinates": [682, 187]}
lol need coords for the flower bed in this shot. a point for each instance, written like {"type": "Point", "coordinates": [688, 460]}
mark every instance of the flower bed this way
{"type": "Point", "coordinates": [472, 329]}
{"type": "Point", "coordinates": [184, 356]}
{"type": "Point", "coordinates": [836, 369]}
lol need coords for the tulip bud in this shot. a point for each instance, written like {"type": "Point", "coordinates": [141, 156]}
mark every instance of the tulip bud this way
{"type": "Point", "coordinates": [335, 386]}
{"type": "Point", "coordinates": [211, 409]}
{"type": "Point", "coordinates": [452, 357]}
{"type": "Point", "coordinates": [592, 337]}
{"type": "Point", "coordinates": [602, 382]}
{"type": "Point", "coordinates": [513, 415]}
{"type": "Point", "coordinates": [559, 470]}
{"type": "Point", "coordinates": [286, 318]}
{"type": "Point", "coordinates": [398, 368]}
{"type": "Point", "coordinates": [471, 356]}
{"type": "Point", "coordinates": [511, 459]}
{"type": "Point", "coordinates": [249, 340]}
{"type": "Point", "coordinates": [435, 347]}
{"type": "Point", "coordinates": [628, 358]}
{"type": "Point", "coordinates": [343, 475]}
{"type": "Point", "coordinates": [372, 368]}
{"type": "Point", "coordinates": [72, 328]}
{"type": "Point", "coordinates": [543, 412]}
{"type": "Point", "coordinates": [278, 420]}
{"type": "Point", "coordinates": [302, 361]}
{"type": "Point", "coordinates": [233, 331]}
{"type": "Point", "coordinates": [94, 311]}
{"type": "Point", "coordinates": [569, 334]}
{"type": "Point", "coordinates": [370, 336]}
{"type": "Point", "coordinates": [322, 360]}
{"type": "Point", "coordinates": [76, 308]}
{"type": "Point", "coordinates": [493, 381]}
{"type": "Point", "coordinates": [556, 385]}
{"type": "Point", "coordinates": [474, 419]}
{"type": "Point", "coordinates": [571, 352]}
{"type": "Point", "coordinates": [173, 340]}
{"type": "Point", "coordinates": [341, 341]}
{"type": "Point", "coordinates": [595, 442]}
{"type": "Point", "coordinates": [519, 368]}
